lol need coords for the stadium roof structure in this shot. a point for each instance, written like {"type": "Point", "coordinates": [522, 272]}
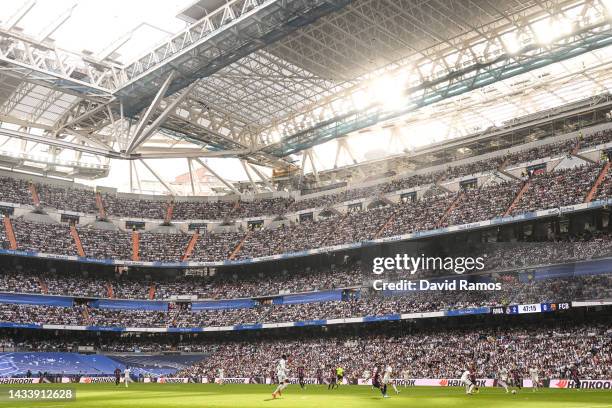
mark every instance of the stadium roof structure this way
{"type": "Point", "coordinates": [268, 81]}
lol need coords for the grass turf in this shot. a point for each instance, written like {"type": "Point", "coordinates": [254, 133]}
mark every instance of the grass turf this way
{"type": "Point", "coordinates": [210, 395]}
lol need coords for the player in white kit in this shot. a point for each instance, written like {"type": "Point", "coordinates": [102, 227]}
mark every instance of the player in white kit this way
{"type": "Point", "coordinates": [503, 379]}
{"type": "Point", "coordinates": [465, 380]}
{"type": "Point", "coordinates": [126, 373]}
{"type": "Point", "coordinates": [535, 378]}
{"type": "Point", "coordinates": [281, 373]}
{"type": "Point", "coordinates": [388, 380]}
{"type": "Point", "coordinates": [221, 376]}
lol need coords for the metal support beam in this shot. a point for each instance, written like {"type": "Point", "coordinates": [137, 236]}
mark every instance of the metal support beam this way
{"type": "Point", "coordinates": [221, 38]}
{"type": "Point", "coordinates": [302, 166]}
{"type": "Point", "coordinates": [180, 152]}
{"type": "Point", "coordinates": [55, 25]}
{"type": "Point", "coordinates": [263, 178]}
{"type": "Point", "coordinates": [246, 170]}
{"type": "Point", "coordinates": [214, 173]}
{"type": "Point", "coordinates": [481, 72]}
{"type": "Point", "coordinates": [170, 190]}
{"type": "Point", "coordinates": [137, 177]}
{"type": "Point", "coordinates": [313, 165]}
{"type": "Point", "coordinates": [19, 15]}
{"type": "Point", "coordinates": [144, 119]}
{"type": "Point", "coordinates": [190, 166]}
{"type": "Point", "coordinates": [343, 145]}
{"type": "Point", "coordinates": [55, 142]}
{"type": "Point", "coordinates": [338, 150]}
{"type": "Point", "coordinates": [87, 139]}
{"type": "Point", "coordinates": [130, 163]}
{"type": "Point", "coordinates": [161, 118]}
{"type": "Point", "coordinates": [83, 114]}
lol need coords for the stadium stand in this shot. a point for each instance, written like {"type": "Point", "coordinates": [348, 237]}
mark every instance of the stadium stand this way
{"type": "Point", "coordinates": [417, 190]}
{"type": "Point", "coordinates": [425, 354]}
{"type": "Point", "coordinates": [105, 244]}
{"type": "Point", "coordinates": [71, 199]}
{"type": "Point", "coordinates": [43, 237]}
{"type": "Point", "coordinates": [548, 190]}
{"type": "Point", "coordinates": [15, 191]}
{"type": "Point", "coordinates": [75, 199]}
{"type": "Point", "coordinates": [494, 347]}
{"type": "Point", "coordinates": [316, 306]}
{"type": "Point", "coordinates": [163, 247]}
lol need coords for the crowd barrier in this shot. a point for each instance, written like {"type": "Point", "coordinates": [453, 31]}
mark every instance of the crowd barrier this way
{"type": "Point", "coordinates": [603, 384]}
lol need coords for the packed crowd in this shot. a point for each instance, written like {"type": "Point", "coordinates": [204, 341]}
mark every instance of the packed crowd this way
{"type": "Point", "coordinates": [424, 354]}
{"type": "Point", "coordinates": [421, 215]}
{"type": "Point", "coordinates": [83, 200]}
{"type": "Point", "coordinates": [219, 286]}
{"type": "Point", "coordinates": [294, 237]}
{"type": "Point", "coordinates": [105, 244]}
{"type": "Point", "coordinates": [540, 152]}
{"type": "Point", "coordinates": [435, 352]}
{"type": "Point", "coordinates": [69, 199]}
{"type": "Point", "coordinates": [15, 191]}
{"type": "Point", "coordinates": [353, 304]}
{"type": "Point", "coordinates": [483, 203]}
{"type": "Point", "coordinates": [34, 314]}
{"type": "Point", "coordinates": [529, 254]}
{"type": "Point", "coordinates": [212, 246]}
{"type": "Point", "coordinates": [596, 138]}
{"type": "Point", "coordinates": [605, 188]}
{"type": "Point", "coordinates": [163, 247]}
{"type": "Point", "coordinates": [547, 190]}
{"type": "Point", "coordinates": [558, 188]}
{"type": "Point", "coordinates": [499, 256]}
{"type": "Point", "coordinates": [135, 208]}
{"type": "Point", "coordinates": [4, 243]}
{"type": "Point", "coordinates": [49, 238]}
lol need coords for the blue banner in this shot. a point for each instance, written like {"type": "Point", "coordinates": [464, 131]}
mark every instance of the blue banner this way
{"type": "Point", "coordinates": [223, 304]}
{"type": "Point", "coordinates": [593, 267]}
{"type": "Point", "coordinates": [44, 300]}
{"type": "Point", "coordinates": [319, 322]}
{"type": "Point", "coordinates": [184, 329]}
{"type": "Point", "coordinates": [253, 326]}
{"type": "Point", "coordinates": [9, 325]}
{"type": "Point", "coordinates": [312, 297]}
{"type": "Point", "coordinates": [105, 328]}
{"type": "Point", "coordinates": [469, 311]}
{"type": "Point", "coordinates": [382, 318]}
{"type": "Point", "coordinates": [121, 304]}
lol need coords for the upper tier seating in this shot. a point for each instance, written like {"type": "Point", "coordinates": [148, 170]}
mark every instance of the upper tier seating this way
{"type": "Point", "coordinates": [83, 200]}
{"type": "Point", "coordinates": [548, 190]}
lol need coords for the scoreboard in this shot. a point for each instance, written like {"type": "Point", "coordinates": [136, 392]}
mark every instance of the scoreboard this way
{"type": "Point", "coordinates": [530, 308]}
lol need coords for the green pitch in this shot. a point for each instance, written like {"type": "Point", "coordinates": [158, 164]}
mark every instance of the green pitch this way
{"type": "Point", "coordinates": [256, 396]}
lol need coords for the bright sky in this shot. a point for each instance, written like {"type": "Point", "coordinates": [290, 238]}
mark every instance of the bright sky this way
{"type": "Point", "coordinates": [95, 24]}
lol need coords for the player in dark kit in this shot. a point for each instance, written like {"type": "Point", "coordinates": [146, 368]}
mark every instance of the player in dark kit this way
{"type": "Point", "coordinates": [301, 380]}
{"type": "Point", "coordinates": [376, 383]}
{"type": "Point", "coordinates": [473, 378]}
{"type": "Point", "coordinates": [273, 377]}
{"type": "Point", "coordinates": [517, 378]}
{"type": "Point", "coordinates": [575, 376]}
{"type": "Point", "coordinates": [332, 379]}
{"type": "Point", "coordinates": [319, 376]}
{"type": "Point", "coordinates": [117, 376]}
